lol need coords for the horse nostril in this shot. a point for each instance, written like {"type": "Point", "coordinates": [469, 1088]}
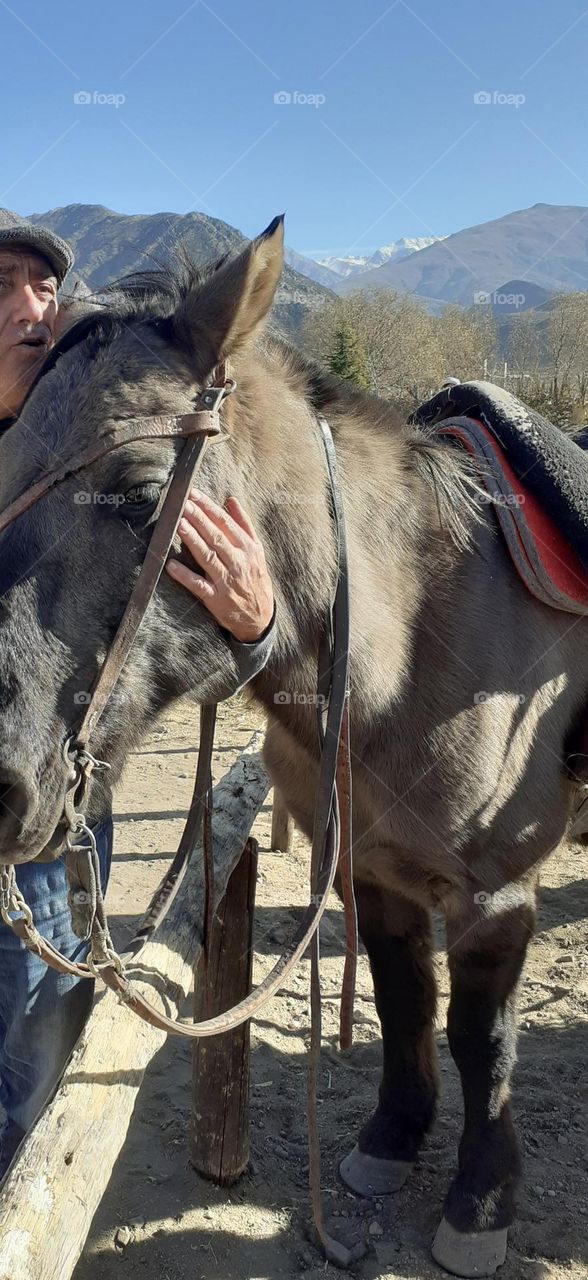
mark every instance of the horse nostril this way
{"type": "Point", "coordinates": [16, 802]}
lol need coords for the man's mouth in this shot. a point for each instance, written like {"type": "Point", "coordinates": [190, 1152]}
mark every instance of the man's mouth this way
{"type": "Point", "coordinates": [35, 343]}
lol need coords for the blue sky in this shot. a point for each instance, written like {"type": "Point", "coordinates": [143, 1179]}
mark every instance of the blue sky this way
{"type": "Point", "coordinates": [385, 138]}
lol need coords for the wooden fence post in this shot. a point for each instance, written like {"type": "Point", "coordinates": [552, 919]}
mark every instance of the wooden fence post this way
{"type": "Point", "coordinates": [220, 1081]}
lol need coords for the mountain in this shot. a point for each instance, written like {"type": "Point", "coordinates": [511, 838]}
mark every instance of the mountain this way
{"type": "Point", "coordinates": [108, 245]}
{"type": "Point", "coordinates": [546, 245]}
{"type": "Point", "coordinates": [399, 250]}
{"type": "Point", "coordinates": [316, 271]}
{"type": "Point", "coordinates": [343, 267]}
{"type": "Point", "coordinates": [518, 295]}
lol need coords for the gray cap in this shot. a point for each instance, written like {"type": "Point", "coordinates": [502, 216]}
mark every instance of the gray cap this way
{"type": "Point", "coordinates": [17, 230]}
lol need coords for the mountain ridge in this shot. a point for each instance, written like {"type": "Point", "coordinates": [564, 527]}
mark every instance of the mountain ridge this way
{"type": "Point", "coordinates": [108, 245]}
{"type": "Point", "coordinates": [545, 245]}
{"type": "Point", "coordinates": [398, 250]}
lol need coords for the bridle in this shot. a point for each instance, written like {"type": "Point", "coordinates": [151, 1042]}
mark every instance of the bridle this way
{"type": "Point", "coordinates": [332, 819]}
{"type": "Point", "coordinates": [195, 429]}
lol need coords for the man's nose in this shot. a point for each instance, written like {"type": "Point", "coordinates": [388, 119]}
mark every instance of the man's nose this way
{"type": "Point", "coordinates": [27, 306]}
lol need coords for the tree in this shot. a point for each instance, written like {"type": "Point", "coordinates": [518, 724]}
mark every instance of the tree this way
{"type": "Point", "coordinates": [568, 340]}
{"type": "Point", "coordinates": [348, 358]}
{"type": "Point", "coordinates": [523, 346]}
{"type": "Point", "coordinates": [466, 339]}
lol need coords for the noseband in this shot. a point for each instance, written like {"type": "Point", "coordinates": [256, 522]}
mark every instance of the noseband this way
{"type": "Point", "coordinates": [331, 843]}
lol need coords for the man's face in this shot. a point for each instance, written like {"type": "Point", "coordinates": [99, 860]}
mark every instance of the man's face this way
{"type": "Point", "coordinates": [28, 310]}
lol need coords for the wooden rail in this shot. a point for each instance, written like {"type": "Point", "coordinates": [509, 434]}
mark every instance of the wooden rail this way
{"type": "Point", "coordinates": [62, 1169]}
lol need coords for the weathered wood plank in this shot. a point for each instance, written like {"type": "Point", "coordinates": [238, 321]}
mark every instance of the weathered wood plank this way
{"type": "Point", "coordinates": [220, 1088]}
{"type": "Point", "coordinates": [63, 1167]}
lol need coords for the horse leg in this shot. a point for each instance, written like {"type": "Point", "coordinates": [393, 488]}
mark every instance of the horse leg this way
{"type": "Point", "coordinates": [397, 937]}
{"type": "Point", "coordinates": [485, 962]}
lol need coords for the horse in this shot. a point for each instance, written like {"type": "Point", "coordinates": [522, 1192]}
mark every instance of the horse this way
{"type": "Point", "coordinates": [464, 689]}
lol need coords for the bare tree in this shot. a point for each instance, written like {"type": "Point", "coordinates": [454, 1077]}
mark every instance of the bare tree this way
{"type": "Point", "coordinates": [407, 351]}
{"type": "Point", "coordinates": [568, 340]}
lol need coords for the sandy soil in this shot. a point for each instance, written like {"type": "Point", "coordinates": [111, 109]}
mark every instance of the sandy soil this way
{"type": "Point", "coordinates": [160, 1221]}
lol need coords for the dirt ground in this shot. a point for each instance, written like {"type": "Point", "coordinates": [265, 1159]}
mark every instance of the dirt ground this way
{"type": "Point", "coordinates": [160, 1221]}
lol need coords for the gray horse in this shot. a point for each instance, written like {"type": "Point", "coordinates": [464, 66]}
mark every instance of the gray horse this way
{"type": "Point", "coordinates": [465, 690]}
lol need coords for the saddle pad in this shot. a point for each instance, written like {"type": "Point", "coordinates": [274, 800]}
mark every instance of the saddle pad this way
{"type": "Point", "coordinates": [546, 563]}
{"type": "Point", "coordinates": [545, 461]}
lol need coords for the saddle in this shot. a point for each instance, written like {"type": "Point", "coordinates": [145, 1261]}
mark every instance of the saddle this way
{"type": "Point", "coordinates": [537, 481]}
{"type": "Point", "coordinates": [536, 476]}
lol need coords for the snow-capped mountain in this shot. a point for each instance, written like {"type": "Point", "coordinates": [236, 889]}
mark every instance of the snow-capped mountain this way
{"type": "Point", "coordinates": [546, 245]}
{"type": "Point", "coordinates": [343, 267]}
{"type": "Point", "coordinates": [400, 249]}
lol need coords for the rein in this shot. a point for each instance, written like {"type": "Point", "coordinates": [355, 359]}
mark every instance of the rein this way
{"type": "Point", "coordinates": [331, 839]}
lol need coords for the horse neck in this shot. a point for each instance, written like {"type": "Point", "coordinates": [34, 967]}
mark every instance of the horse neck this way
{"type": "Point", "coordinates": [278, 465]}
{"type": "Point", "coordinates": [279, 458]}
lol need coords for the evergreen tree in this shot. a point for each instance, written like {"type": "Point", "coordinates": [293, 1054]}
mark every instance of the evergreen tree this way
{"type": "Point", "coordinates": [348, 358]}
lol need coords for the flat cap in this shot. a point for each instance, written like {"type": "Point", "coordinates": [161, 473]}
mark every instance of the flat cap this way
{"type": "Point", "coordinates": [17, 230]}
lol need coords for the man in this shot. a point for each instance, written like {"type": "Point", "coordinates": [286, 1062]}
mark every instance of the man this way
{"type": "Point", "coordinates": [42, 1012]}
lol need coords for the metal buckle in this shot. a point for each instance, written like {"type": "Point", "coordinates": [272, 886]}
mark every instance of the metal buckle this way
{"type": "Point", "coordinates": [211, 397]}
{"type": "Point", "coordinates": [111, 958]}
{"type": "Point", "coordinates": [80, 764]}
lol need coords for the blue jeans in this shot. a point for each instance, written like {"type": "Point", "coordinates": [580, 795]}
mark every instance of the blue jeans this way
{"type": "Point", "coordinates": [41, 1012]}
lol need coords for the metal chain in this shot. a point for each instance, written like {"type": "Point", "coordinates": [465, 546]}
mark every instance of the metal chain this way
{"type": "Point", "coordinates": [11, 898]}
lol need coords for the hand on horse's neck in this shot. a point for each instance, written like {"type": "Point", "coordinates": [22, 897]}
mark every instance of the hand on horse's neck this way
{"type": "Point", "coordinates": [277, 468]}
{"type": "Point", "coordinates": [280, 467]}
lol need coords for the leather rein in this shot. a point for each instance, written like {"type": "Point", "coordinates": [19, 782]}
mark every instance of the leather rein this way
{"type": "Point", "coordinates": [331, 840]}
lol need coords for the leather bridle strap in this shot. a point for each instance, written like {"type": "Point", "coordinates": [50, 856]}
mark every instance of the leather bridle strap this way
{"type": "Point", "coordinates": [156, 555]}
{"type": "Point", "coordinates": [332, 683]}
{"type": "Point", "coordinates": [202, 421]}
{"type": "Point", "coordinates": [168, 890]}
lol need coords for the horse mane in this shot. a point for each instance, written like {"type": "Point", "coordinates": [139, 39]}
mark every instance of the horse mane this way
{"type": "Point", "coordinates": [445, 469]}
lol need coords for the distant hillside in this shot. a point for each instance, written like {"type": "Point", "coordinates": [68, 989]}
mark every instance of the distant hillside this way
{"type": "Point", "coordinates": [515, 296]}
{"type": "Point", "coordinates": [546, 245]}
{"type": "Point", "coordinates": [108, 245]}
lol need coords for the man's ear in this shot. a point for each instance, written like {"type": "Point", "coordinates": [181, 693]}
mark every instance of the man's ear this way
{"type": "Point", "coordinates": [222, 314]}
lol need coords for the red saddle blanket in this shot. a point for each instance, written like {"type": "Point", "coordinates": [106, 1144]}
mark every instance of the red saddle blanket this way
{"type": "Point", "coordinates": [542, 556]}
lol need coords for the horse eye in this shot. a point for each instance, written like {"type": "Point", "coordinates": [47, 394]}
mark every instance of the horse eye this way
{"type": "Point", "coordinates": [141, 498]}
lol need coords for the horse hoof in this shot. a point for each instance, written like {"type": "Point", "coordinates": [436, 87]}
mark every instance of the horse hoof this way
{"type": "Point", "coordinates": [369, 1176]}
{"type": "Point", "coordinates": [475, 1253]}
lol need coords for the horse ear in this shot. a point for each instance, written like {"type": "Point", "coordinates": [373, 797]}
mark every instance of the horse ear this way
{"type": "Point", "coordinates": [221, 315]}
